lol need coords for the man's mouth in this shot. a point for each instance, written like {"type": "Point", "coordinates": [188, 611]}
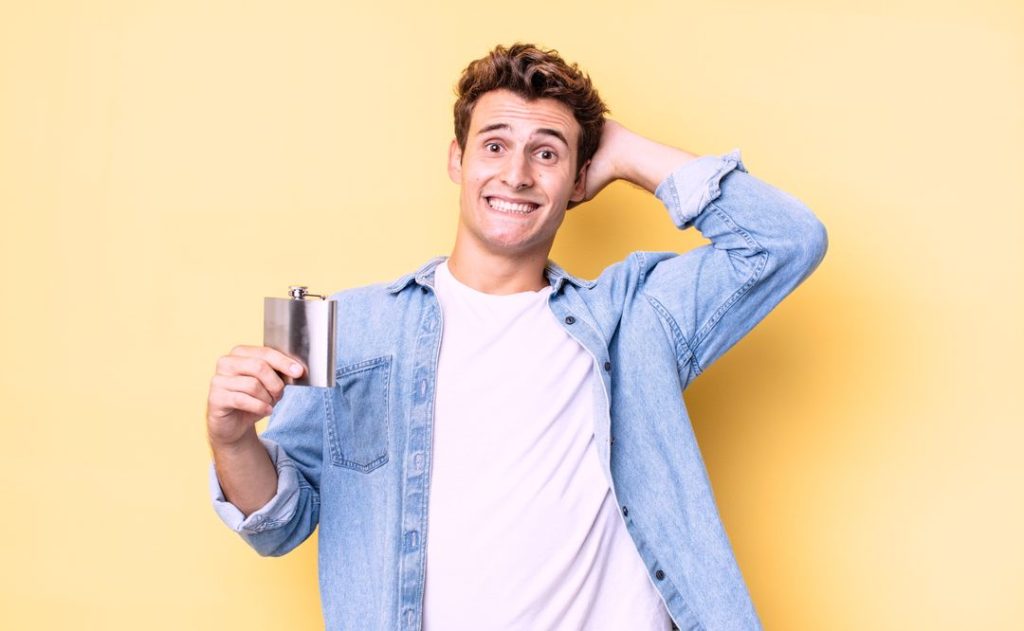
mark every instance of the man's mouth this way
{"type": "Point", "coordinates": [514, 208]}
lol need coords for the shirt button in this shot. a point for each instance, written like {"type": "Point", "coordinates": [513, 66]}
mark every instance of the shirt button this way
{"type": "Point", "coordinates": [412, 540]}
{"type": "Point", "coordinates": [625, 512]}
{"type": "Point", "coordinates": [608, 366]}
{"type": "Point", "coordinates": [570, 320]}
{"type": "Point", "coordinates": [659, 575]}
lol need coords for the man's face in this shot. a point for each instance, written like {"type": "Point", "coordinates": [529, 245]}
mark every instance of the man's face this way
{"type": "Point", "coordinates": [517, 173]}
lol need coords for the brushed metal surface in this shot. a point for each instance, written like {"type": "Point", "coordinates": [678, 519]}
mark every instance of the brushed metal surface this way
{"type": "Point", "coordinates": [305, 330]}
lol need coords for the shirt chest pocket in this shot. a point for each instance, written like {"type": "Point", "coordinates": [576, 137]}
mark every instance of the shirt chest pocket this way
{"type": "Point", "coordinates": [359, 415]}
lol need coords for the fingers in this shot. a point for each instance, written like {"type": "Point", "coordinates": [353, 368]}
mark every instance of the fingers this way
{"type": "Point", "coordinates": [263, 363]}
{"type": "Point", "coordinates": [244, 384]}
{"type": "Point", "coordinates": [224, 403]}
{"type": "Point", "coordinates": [242, 392]}
{"type": "Point", "coordinates": [278, 361]}
{"type": "Point", "coordinates": [248, 380]}
{"type": "Point", "coordinates": [231, 366]}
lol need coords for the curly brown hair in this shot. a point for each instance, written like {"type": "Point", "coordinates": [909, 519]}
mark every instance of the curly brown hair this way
{"type": "Point", "coordinates": [532, 73]}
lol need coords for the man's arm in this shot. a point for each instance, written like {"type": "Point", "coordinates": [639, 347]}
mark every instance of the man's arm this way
{"type": "Point", "coordinates": [625, 155]}
{"type": "Point", "coordinates": [764, 242]}
{"type": "Point", "coordinates": [244, 390]}
{"type": "Point", "coordinates": [262, 492]}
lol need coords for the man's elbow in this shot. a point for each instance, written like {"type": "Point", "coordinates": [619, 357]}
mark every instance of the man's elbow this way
{"type": "Point", "coordinates": [805, 242]}
{"type": "Point", "coordinates": [813, 244]}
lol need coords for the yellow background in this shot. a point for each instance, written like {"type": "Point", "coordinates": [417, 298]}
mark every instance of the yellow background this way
{"type": "Point", "coordinates": [165, 165]}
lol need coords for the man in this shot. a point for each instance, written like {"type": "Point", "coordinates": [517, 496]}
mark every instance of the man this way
{"type": "Point", "coordinates": [507, 447]}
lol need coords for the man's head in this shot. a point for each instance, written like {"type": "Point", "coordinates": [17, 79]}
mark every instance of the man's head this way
{"type": "Point", "coordinates": [532, 74]}
{"type": "Point", "coordinates": [527, 125]}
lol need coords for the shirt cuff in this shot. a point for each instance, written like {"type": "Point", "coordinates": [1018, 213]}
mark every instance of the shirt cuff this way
{"type": "Point", "coordinates": [277, 511]}
{"type": "Point", "coordinates": [691, 187]}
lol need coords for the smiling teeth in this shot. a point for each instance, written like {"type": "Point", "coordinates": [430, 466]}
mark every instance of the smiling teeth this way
{"type": "Point", "coordinates": [508, 207]}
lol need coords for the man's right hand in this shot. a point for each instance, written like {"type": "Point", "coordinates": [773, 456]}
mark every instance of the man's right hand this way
{"type": "Point", "coordinates": [247, 385]}
{"type": "Point", "coordinates": [625, 155]}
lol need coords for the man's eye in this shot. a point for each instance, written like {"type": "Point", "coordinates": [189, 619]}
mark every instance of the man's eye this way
{"type": "Point", "coordinates": [493, 147]}
{"type": "Point", "coordinates": [547, 155]}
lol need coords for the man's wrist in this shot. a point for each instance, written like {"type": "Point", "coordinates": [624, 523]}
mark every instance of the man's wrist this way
{"type": "Point", "coordinates": [246, 442]}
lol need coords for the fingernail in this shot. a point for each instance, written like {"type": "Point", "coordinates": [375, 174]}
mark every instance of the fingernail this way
{"type": "Point", "coordinates": [295, 370]}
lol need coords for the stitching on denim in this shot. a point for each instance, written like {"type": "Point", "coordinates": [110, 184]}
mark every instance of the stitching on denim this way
{"type": "Point", "coordinates": [361, 467]}
{"type": "Point", "coordinates": [755, 274]}
{"type": "Point", "coordinates": [680, 341]}
{"type": "Point", "coordinates": [640, 260]}
{"type": "Point", "coordinates": [669, 584]}
{"type": "Point", "coordinates": [329, 415]}
{"type": "Point", "coordinates": [304, 484]}
{"type": "Point", "coordinates": [553, 269]}
{"type": "Point", "coordinates": [687, 611]}
{"type": "Point", "coordinates": [337, 455]}
{"type": "Point", "coordinates": [361, 366]}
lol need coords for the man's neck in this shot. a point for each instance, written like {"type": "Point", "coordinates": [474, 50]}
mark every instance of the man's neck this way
{"type": "Point", "coordinates": [493, 273]}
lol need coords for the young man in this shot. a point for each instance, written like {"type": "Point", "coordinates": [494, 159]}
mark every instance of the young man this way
{"type": "Point", "coordinates": [507, 447]}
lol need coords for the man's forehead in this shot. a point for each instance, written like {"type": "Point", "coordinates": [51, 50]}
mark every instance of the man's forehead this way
{"type": "Point", "coordinates": [501, 109]}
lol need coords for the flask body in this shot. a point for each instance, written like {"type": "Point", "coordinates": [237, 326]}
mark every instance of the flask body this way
{"type": "Point", "coordinates": [304, 329]}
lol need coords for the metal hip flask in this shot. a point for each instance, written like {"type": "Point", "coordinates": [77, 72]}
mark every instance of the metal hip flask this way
{"type": "Point", "coordinates": [305, 330]}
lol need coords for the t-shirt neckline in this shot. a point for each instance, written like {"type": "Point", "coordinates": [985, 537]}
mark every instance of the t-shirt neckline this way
{"type": "Point", "coordinates": [465, 289]}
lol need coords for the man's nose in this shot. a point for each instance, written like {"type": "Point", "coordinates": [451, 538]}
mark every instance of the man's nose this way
{"type": "Point", "coordinates": [517, 173]}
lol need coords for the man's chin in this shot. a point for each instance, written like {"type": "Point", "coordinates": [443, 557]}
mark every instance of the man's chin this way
{"type": "Point", "coordinates": [508, 245]}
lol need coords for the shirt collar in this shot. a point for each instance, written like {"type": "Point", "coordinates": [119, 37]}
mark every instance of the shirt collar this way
{"type": "Point", "coordinates": [424, 277]}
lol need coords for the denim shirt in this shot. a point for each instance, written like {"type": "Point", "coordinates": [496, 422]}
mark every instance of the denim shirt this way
{"type": "Point", "coordinates": [355, 459]}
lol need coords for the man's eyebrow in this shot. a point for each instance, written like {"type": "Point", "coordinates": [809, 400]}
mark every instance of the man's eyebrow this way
{"type": "Point", "coordinates": [553, 132]}
{"type": "Point", "coordinates": [494, 127]}
{"type": "Point", "coordinates": [547, 131]}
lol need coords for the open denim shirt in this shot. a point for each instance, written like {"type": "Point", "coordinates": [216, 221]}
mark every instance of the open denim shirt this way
{"type": "Point", "coordinates": [355, 459]}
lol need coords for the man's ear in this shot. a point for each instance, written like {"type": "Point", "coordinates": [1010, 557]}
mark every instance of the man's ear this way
{"type": "Point", "coordinates": [455, 162]}
{"type": "Point", "coordinates": [579, 189]}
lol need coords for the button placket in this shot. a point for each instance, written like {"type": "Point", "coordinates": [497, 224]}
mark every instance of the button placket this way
{"type": "Point", "coordinates": [417, 463]}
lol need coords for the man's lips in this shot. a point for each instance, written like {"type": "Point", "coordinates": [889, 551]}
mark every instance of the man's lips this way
{"type": "Point", "coordinates": [511, 206]}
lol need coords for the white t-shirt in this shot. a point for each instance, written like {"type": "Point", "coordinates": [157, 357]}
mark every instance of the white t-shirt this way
{"type": "Point", "coordinates": [523, 532]}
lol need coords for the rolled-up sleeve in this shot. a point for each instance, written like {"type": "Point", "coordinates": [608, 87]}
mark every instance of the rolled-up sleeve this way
{"type": "Point", "coordinates": [277, 511]}
{"type": "Point", "coordinates": [690, 188]}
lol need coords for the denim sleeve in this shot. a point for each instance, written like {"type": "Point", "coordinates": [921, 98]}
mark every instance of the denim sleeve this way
{"type": "Point", "coordinates": [278, 510]}
{"type": "Point", "coordinates": [293, 440]}
{"type": "Point", "coordinates": [764, 242]}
